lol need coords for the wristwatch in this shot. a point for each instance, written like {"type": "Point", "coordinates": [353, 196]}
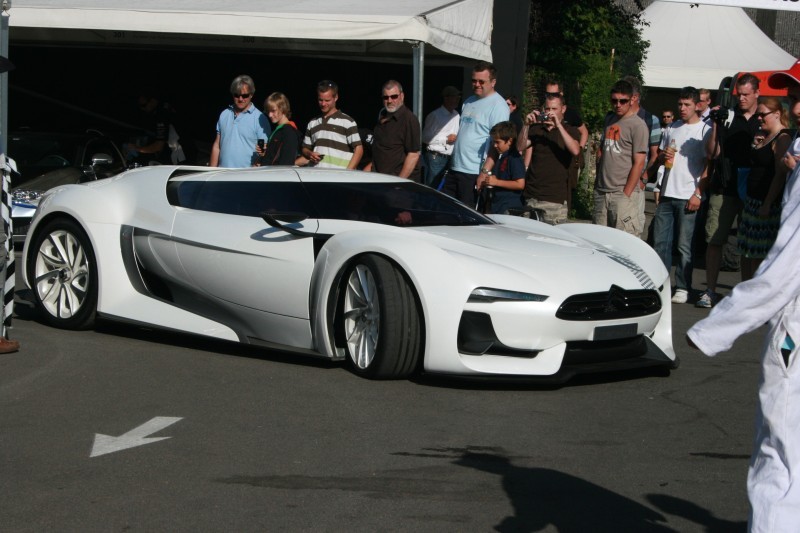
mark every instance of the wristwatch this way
{"type": "Point", "coordinates": [698, 196]}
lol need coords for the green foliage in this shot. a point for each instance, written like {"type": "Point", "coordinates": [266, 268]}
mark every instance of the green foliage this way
{"type": "Point", "coordinates": [593, 86]}
{"type": "Point", "coordinates": [583, 195]}
{"type": "Point", "coordinates": [588, 44]}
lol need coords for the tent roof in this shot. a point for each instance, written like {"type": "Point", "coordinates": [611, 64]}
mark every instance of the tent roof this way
{"type": "Point", "coordinates": [700, 45]}
{"type": "Point", "coordinates": [460, 27]}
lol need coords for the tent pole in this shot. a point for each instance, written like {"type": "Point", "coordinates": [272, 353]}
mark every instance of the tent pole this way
{"type": "Point", "coordinates": [7, 267]}
{"type": "Point", "coordinates": [4, 77]}
{"type": "Point", "coordinates": [418, 48]}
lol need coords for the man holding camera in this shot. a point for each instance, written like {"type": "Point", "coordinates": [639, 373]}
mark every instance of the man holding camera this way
{"type": "Point", "coordinates": [554, 145]}
{"type": "Point", "coordinates": [732, 134]}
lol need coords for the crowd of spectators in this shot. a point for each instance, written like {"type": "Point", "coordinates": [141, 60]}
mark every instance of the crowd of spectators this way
{"type": "Point", "coordinates": [728, 171]}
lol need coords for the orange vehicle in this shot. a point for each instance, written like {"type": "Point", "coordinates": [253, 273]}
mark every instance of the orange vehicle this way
{"type": "Point", "coordinates": [771, 82]}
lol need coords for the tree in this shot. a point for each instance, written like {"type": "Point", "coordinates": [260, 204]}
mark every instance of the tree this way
{"type": "Point", "coordinates": [588, 44]}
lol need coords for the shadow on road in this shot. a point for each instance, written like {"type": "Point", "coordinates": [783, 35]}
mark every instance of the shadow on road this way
{"type": "Point", "coordinates": [542, 497]}
{"type": "Point", "coordinates": [694, 513]}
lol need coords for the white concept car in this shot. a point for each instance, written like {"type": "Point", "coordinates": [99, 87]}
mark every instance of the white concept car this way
{"type": "Point", "coordinates": [391, 275]}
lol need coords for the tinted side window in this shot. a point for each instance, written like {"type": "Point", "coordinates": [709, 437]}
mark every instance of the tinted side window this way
{"type": "Point", "coordinates": [383, 203]}
{"type": "Point", "coordinates": [240, 198]}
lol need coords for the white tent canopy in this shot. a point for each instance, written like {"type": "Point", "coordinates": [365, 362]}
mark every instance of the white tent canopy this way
{"type": "Point", "coordinates": [700, 45]}
{"type": "Point", "coordinates": [358, 29]}
{"type": "Point", "coordinates": [461, 27]}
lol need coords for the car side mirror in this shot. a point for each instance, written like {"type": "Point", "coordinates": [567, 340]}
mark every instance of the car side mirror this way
{"type": "Point", "coordinates": [101, 160]}
{"type": "Point", "coordinates": [275, 220]}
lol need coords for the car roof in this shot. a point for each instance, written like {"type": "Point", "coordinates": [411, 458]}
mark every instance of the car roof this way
{"type": "Point", "coordinates": [275, 173]}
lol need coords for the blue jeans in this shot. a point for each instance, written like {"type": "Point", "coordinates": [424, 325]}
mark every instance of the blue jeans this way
{"type": "Point", "coordinates": [434, 166]}
{"type": "Point", "coordinates": [671, 215]}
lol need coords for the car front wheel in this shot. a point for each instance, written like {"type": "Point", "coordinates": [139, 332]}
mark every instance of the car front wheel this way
{"type": "Point", "coordinates": [63, 275]}
{"type": "Point", "coordinates": [380, 320]}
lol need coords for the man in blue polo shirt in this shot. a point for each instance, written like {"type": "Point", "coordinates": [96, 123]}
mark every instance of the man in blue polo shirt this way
{"type": "Point", "coordinates": [471, 157]}
{"type": "Point", "coordinates": [239, 128]}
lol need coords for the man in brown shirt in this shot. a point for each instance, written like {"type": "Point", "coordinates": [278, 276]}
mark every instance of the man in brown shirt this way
{"type": "Point", "coordinates": [555, 145]}
{"type": "Point", "coordinates": [396, 137]}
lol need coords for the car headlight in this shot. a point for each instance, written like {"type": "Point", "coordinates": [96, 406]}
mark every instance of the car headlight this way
{"type": "Point", "coordinates": [26, 196]}
{"type": "Point", "coordinates": [487, 295]}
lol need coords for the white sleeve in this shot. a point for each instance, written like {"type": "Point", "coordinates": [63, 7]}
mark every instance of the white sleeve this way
{"type": "Point", "coordinates": [754, 302]}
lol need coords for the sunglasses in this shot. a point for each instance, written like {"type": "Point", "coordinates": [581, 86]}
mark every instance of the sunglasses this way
{"type": "Point", "coordinates": [391, 96]}
{"type": "Point", "coordinates": [620, 101]}
{"type": "Point", "coordinates": [479, 82]}
{"type": "Point", "coordinates": [762, 115]}
{"type": "Point", "coordinates": [245, 96]}
{"type": "Point", "coordinates": [666, 116]}
{"type": "Point", "coordinates": [551, 95]}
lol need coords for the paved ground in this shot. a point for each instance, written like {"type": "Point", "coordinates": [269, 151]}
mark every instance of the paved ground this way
{"type": "Point", "coordinates": [265, 441]}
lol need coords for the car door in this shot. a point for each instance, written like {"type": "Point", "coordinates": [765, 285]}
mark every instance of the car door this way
{"type": "Point", "coordinates": [231, 254]}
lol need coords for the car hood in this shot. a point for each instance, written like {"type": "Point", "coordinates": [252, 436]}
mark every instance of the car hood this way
{"type": "Point", "coordinates": [546, 253]}
{"type": "Point", "coordinates": [54, 178]}
{"type": "Point", "coordinates": [544, 242]}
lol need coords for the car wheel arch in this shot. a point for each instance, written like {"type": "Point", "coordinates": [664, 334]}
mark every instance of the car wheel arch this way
{"type": "Point", "coordinates": [335, 297]}
{"type": "Point", "coordinates": [43, 223]}
{"type": "Point", "coordinates": [80, 318]}
{"type": "Point", "coordinates": [61, 215]}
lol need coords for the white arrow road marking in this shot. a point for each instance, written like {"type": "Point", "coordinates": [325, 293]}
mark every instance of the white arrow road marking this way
{"type": "Point", "coordinates": [104, 444]}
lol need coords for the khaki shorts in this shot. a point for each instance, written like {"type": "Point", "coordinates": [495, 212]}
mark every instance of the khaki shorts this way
{"type": "Point", "coordinates": [722, 212]}
{"type": "Point", "coordinates": [616, 210]}
{"type": "Point", "coordinates": [553, 213]}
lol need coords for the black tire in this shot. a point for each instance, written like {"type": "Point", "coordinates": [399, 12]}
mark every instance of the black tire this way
{"type": "Point", "coordinates": [63, 275]}
{"type": "Point", "coordinates": [379, 320]}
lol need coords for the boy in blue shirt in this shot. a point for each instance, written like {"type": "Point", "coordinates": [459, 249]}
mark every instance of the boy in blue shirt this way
{"type": "Point", "coordinates": [507, 180]}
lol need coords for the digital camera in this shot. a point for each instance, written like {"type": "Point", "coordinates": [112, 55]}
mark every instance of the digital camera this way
{"type": "Point", "coordinates": [719, 115]}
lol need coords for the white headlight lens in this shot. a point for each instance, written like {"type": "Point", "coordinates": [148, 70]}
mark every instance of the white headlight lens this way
{"type": "Point", "coordinates": [25, 196]}
{"type": "Point", "coordinates": [486, 295]}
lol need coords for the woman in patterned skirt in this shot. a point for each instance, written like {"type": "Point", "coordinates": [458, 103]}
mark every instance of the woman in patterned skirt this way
{"type": "Point", "coordinates": [762, 208]}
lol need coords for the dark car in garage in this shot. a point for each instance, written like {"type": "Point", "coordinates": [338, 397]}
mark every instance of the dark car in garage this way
{"type": "Point", "coordinates": [48, 159]}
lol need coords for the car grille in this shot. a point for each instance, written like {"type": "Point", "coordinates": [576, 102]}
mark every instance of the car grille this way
{"type": "Point", "coordinates": [597, 352]}
{"type": "Point", "coordinates": [613, 304]}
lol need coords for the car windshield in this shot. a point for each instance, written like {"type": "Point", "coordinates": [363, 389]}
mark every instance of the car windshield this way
{"type": "Point", "coordinates": [42, 152]}
{"type": "Point", "coordinates": [397, 204]}
{"type": "Point", "coordinates": [394, 203]}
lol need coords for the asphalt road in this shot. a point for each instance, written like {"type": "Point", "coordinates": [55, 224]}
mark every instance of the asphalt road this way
{"type": "Point", "coordinates": [274, 442]}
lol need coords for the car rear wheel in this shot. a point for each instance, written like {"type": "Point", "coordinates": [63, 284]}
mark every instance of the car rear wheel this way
{"type": "Point", "coordinates": [63, 275]}
{"type": "Point", "coordinates": [380, 320]}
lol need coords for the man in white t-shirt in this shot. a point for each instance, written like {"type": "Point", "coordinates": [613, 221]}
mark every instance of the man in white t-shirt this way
{"type": "Point", "coordinates": [683, 154]}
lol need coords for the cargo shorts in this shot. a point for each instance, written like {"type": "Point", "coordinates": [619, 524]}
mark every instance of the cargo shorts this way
{"type": "Point", "coordinates": [615, 210]}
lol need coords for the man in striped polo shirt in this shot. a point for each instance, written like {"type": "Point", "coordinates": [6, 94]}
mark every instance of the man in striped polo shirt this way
{"type": "Point", "coordinates": [332, 139]}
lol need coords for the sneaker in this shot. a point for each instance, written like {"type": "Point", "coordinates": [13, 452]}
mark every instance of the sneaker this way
{"type": "Point", "coordinates": [680, 296]}
{"type": "Point", "coordinates": [708, 300]}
